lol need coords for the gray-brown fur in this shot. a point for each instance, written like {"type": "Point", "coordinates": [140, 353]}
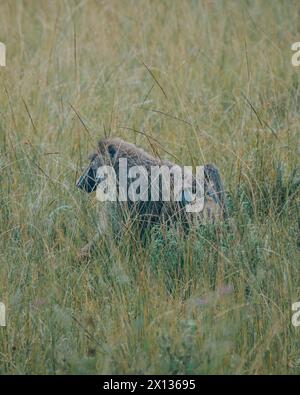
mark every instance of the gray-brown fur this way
{"type": "Point", "coordinates": [110, 150]}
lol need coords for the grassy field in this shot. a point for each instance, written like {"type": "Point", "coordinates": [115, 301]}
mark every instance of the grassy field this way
{"type": "Point", "coordinates": [212, 81]}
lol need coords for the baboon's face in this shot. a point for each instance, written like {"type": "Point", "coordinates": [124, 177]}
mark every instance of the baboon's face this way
{"type": "Point", "coordinates": [104, 155]}
{"type": "Point", "coordinates": [88, 180]}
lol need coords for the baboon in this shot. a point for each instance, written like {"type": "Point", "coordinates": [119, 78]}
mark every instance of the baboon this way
{"type": "Point", "coordinates": [147, 213]}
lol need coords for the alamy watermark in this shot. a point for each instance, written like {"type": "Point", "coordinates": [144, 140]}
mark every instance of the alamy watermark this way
{"type": "Point", "coordinates": [159, 183]}
{"type": "Point", "coordinates": [296, 315]}
{"type": "Point", "coordinates": [2, 55]}
{"type": "Point", "coordinates": [2, 314]}
{"type": "Point", "coordinates": [296, 56]}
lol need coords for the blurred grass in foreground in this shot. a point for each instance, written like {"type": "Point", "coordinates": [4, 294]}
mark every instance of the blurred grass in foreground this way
{"type": "Point", "coordinates": [217, 302]}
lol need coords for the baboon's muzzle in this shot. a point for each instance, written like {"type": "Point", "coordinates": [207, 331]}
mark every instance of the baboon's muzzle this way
{"type": "Point", "coordinates": [87, 181]}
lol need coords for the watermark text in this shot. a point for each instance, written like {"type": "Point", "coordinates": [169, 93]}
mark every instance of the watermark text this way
{"type": "Point", "coordinates": [2, 55]}
{"type": "Point", "coordinates": [2, 314]}
{"type": "Point", "coordinates": [296, 315]}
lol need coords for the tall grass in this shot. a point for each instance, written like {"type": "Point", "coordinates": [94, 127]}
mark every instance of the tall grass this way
{"type": "Point", "coordinates": [212, 81]}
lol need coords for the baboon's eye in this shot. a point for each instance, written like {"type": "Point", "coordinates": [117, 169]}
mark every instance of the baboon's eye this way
{"type": "Point", "coordinates": [112, 150]}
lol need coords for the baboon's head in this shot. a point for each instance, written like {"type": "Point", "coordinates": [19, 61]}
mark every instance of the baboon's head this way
{"type": "Point", "coordinates": [88, 180]}
{"type": "Point", "coordinates": [105, 155]}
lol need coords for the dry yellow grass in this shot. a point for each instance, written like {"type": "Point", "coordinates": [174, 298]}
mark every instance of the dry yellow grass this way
{"type": "Point", "coordinates": [212, 81]}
